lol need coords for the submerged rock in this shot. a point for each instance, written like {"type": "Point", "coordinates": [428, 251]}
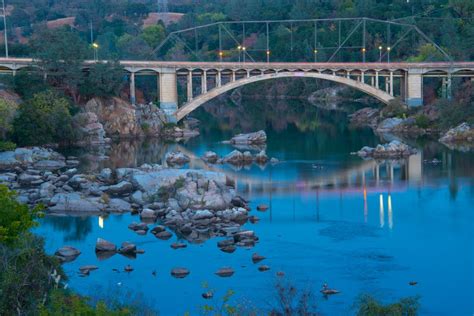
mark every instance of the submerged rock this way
{"type": "Point", "coordinates": [176, 158]}
{"type": "Point", "coordinates": [210, 157]}
{"type": "Point", "coordinates": [461, 133]}
{"type": "Point", "coordinates": [256, 258]}
{"type": "Point", "coordinates": [225, 272]}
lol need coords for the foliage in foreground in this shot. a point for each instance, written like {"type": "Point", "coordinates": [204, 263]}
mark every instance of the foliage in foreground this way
{"type": "Point", "coordinates": [368, 306]}
{"type": "Point", "coordinates": [44, 119]}
{"type": "Point", "coordinates": [7, 146]}
{"type": "Point", "coordinates": [7, 112]}
{"type": "Point", "coordinates": [15, 218]}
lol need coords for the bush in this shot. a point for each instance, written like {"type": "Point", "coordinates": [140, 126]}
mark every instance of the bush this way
{"type": "Point", "coordinates": [62, 302]}
{"type": "Point", "coordinates": [395, 108]}
{"type": "Point", "coordinates": [368, 306]}
{"type": "Point", "coordinates": [44, 119]}
{"type": "Point", "coordinates": [7, 146]}
{"type": "Point", "coordinates": [15, 218]}
{"type": "Point", "coordinates": [422, 121]}
{"type": "Point", "coordinates": [103, 80]}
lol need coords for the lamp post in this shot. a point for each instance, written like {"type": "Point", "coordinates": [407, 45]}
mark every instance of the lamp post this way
{"type": "Point", "coordinates": [315, 55]}
{"type": "Point", "coordinates": [243, 50]}
{"type": "Point", "coordinates": [363, 54]}
{"type": "Point", "coordinates": [95, 46]}
{"type": "Point", "coordinates": [380, 53]}
{"type": "Point", "coordinates": [220, 55]}
{"type": "Point", "coordinates": [268, 56]}
{"type": "Point", "coordinates": [388, 54]}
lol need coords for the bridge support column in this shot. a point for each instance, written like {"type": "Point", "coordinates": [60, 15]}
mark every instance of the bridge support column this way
{"type": "Point", "coordinates": [391, 83]}
{"type": "Point", "coordinates": [414, 95]}
{"type": "Point", "coordinates": [132, 88]}
{"type": "Point", "coordinates": [362, 76]}
{"type": "Point", "coordinates": [219, 79]}
{"type": "Point", "coordinates": [204, 82]}
{"type": "Point", "coordinates": [377, 79]}
{"type": "Point", "coordinates": [169, 93]}
{"type": "Point", "coordinates": [372, 81]}
{"type": "Point", "coordinates": [403, 87]}
{"type": "Point", "coordinates": [190, 86]}
{"type": "Point", "coordinates": [233, 75]}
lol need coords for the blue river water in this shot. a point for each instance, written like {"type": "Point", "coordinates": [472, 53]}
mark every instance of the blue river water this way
{"type": "Point", "coordinates": [362, 227]}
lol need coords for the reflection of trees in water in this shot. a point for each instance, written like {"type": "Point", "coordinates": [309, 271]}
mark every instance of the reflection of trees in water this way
{"type": "Point", "coordinates": [75, 228]}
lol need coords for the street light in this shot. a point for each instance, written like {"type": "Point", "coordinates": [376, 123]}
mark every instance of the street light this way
{"type": "Point", "coordinates": [268, 56]}
{"type": "Point", "coordinates": [220, 55]}
{"type": "Point", "coordinates": [95, 46]}
{"type": "Point", "coordinates": [315, 55]}
{"type": "Point", "coordinates": [380, 53]}
{"type": "Point", "coordinates": [388, 54]}
{"type": "Point", "coordinates": [244, 49]}
{"type": "Point", "coordinates": [363, 54]}
{"type": "Point", "coordinates": [239, 48]}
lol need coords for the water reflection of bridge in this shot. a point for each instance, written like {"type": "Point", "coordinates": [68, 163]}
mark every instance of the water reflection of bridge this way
{"type": "Point", "coordinates": [369, 174]}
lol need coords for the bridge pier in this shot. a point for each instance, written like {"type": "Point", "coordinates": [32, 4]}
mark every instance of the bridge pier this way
{"type": "Point", "coordinates": [169, 93]}
{"type": "Point", "coordinates": [204, 82]}
{"type": "Point", "coordinates": [414, 95]}
{"type": "Point", "coordinates": [189, 86]}
{"type": "Point", "coordinates": [132, 88]}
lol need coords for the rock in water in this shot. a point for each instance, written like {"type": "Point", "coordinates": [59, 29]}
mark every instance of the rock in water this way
{"type": "Point", "coordinates": [128, 248]}
{"type": "Point", "coordinates": [210, 157]}
{"type": "Point", "coordinates": [262, 207]}
{"type": "Point", "coordinates": [259, 137]}
{"type": "Point", "coordinates": [263, 268]}
{"type": "Point", "coordinates": [225, 272]}
{"type": "Point", "coordinates": [257, 258]}
{"type": "Point", "coordinates": [67, 253]}
{"type": "Point", "coordinates": [103, 245]}
{"type": "Point", "coordinates": [180, 273]}
{"type": "Point", "coordinates": [394, 149]}
{"type": "Point", "coordinates": [461, 133]}
{"type": "Point", "coordinates": [176, 158]}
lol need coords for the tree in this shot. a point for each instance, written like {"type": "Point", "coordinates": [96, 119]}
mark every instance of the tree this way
{"type": "Point", "coordinates": [60, 54]}
{"type": "Point", "coordinates": [369, 306]}
{"type": "Point", "coordinates": [44, 119]}
{"type": "Point", "coordinates": [153, 35]}
{"type": "Point", "coordinates": [103, 80]}
{"type": "Point", "coordinates": [7, 113]}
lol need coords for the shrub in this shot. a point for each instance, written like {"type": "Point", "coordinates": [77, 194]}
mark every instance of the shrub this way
{"type": "Point", "coordinates": [15, 218]}
{"type": "Point", "coordinates": [44, 119]}
{"type": "Point", "coordinates": [103, 80]}
{"type": "Point", "coordinates": [395, 108]}
{"type": "Point", "coordinates": [7, 146]}
{"type": "Point", "coordinates": [366, 305]}
{"type": "Point", "coordinates": [422, 121]}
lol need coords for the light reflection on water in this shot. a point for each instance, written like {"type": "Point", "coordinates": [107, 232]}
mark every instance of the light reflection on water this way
{"type": "Point", "coordinates": [361, 226]}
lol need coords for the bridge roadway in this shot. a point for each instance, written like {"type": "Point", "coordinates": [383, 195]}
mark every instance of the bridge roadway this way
{"type": "Point", "coordinates": [384, 81]}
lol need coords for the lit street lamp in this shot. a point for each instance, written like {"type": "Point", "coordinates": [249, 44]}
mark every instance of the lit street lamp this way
{"type": "Point", "coordinates": [220, 55]}
{"type": "Point", "coordinates": [388, 54]}
{"type": "Point", "coordinates": [239, 48]}
{"type": "Point", "coordinates": [315, 55]}
{"type": "Point", "coordinates": [380, 54]}
{"type": "Point", "coordinates": [363, 54]}
{"type": "Point", "coordinates": [244, 49]}
{"type": "Point", "coordinates": [268, 56]}
{"type": "Point", "coordinates": [95, 46]}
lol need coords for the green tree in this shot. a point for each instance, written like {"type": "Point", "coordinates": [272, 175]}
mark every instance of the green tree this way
{"type": "Point", "coordinates": [44, 119]}
{"type": "Point", "coordinates": [7, 113]}
{"type": "Point", "coordinates": [27, 83]}
{"type": "Point", "coordinates": [153, 35]}
{"type": "Point", "coordinates": [103, 80]}
{"type": "Point", "coordinates": [60, 54]}
{"type": "Point", "coordinates": [366, 305]}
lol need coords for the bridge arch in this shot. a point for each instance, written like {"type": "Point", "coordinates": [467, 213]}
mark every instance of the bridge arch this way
{"type": "Point", "coordinates": [203, 98]}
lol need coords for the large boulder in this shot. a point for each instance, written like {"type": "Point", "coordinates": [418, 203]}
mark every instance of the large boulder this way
{"type": "Point", "coordinates": [389, 124]}
{"type": "Point", "coordinates": [103, 245]}
{"type": "Point", "coordinates": [151, 119]}
{"type": "Point", "coordinates": [75, 203]}
{"type": "Point", "coordinates": [27, 157]}
{"type": "Point", "coordinates": [118, 117]}
{"type": "Point", "coordinates": [91, 131]}
{"type": "Point", "coordinates": [120, 189]}
{"type": "Point", "coordinates": [259, 137]}
{"type": "Point", "coordinates": [235, 157]}
{"type": "Point", "coordinates": [461, 133]}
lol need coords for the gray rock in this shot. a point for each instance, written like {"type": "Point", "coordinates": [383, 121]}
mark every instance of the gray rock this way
{"type": "Point", "coordinates": [202, 214]}
{"type": "Point", "coordinates": [118, 206]}
{"type": "Point", "coordinates": [103, 245]}
{"type": "Point", "coordinates": [210, 157]}
{"type": "Point", "coordinates": [106, 175]}
{"type": "Point", "coordinates": [138, 226]}
{"type": "Point", "coordinates": [389, 124]}
{"type": "Point", "coordinates": [148, 214]}
{"type": "Point", "coordinates": [127, 248]}
{"type": "Point", "coordinates": [256, 258]}
{"type": "Point", "coordinates": [180, 273]}
{"type": "Point", "coordinates": [29, 179]}
{"type": "Point", "coordinates": [235, 157]}
{"type": "Point", "coordinates": [225, 272]}
{"type": "Point", "coordinates": [176, 158]}
{"type": "Point", "coordinates": [75, 203]}
{"type": "Point", "coordinates": [261, 157]}
{"type": "Point", "coordinates": [49, 164]}
{"type": "Point", "coordinates": [67, 253]}
{"type": "Point", "coordinates": [120, 189]}
{"type": "Point", "coordinates": [259, 137]}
